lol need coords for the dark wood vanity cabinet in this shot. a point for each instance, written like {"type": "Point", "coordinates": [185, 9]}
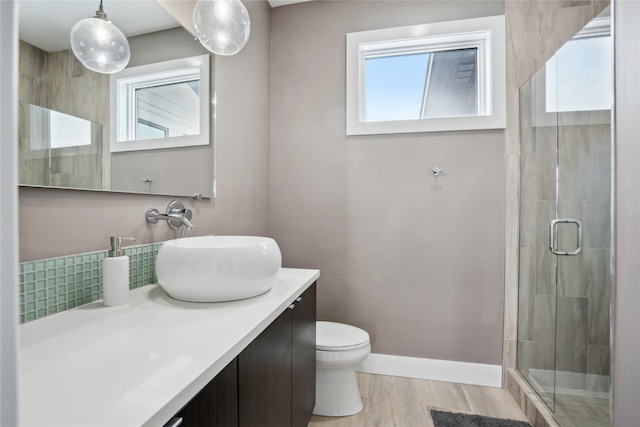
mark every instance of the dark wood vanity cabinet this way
{"type": "Point", "coordinates": [272, 383]}
{"type": "Point", "coordinates": [264, 377]}
{"type": "Point", "coordinates": [303, 358]}
{"type": "Point", "coordinates": [277, 371]}
{"type": "Point", "coordinates": [216, 404]}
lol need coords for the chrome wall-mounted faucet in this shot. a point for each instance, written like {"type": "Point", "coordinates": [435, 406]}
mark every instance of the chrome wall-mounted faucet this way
{"type": "Point", "coordinates": [176, 216]}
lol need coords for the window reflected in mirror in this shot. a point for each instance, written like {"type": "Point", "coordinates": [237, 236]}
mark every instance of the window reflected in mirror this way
{"type": "Point", "coordinates": [160, 106]}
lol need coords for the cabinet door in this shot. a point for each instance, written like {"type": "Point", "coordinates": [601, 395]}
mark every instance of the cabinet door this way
{"type": "Point", "coordinates": [217, 403]}
{"type": "Point", "coordinates": [264, 377]}
{"type": "Point", "coordinates": [303, 358]}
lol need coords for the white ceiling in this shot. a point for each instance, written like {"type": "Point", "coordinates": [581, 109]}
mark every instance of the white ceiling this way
{"type": "Point", "coordinates": [47, 23]}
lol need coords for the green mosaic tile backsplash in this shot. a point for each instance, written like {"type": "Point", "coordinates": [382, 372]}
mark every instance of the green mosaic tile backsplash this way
{"type": "Point", "coordinates": [52, 285]}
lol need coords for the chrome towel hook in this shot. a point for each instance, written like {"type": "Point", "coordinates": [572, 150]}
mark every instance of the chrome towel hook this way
{"type": "Point", "coordinates": [436, 171]}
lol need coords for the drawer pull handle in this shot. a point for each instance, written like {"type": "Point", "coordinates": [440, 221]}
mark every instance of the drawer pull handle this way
{"type": "Point", "coordinates": [174, 422]}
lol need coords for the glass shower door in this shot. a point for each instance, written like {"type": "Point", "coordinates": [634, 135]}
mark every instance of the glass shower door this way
{"type": "Point", "coordinates": [565, 222]}
{"type": "Point", "coordinates": [536, 359]}
{"type": "Point", "coordinates": [583, 283]}
{"type": "Point", "coordinates": [582, 107]}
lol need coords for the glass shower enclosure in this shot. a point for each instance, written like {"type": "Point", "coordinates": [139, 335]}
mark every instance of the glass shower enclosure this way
{"type": "Point", "coordinates": [565, 228]}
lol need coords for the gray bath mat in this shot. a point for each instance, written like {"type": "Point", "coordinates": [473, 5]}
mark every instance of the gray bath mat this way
{"type": "Point", "coordinates": [452, 419]}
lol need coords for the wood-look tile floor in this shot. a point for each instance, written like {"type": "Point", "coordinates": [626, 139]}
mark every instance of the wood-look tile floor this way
{"type": "Point", "coordinates": [406, 402]}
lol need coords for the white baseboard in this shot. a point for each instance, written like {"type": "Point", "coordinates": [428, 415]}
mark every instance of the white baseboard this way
{"type": "Point", "coordinates": [432, 369]}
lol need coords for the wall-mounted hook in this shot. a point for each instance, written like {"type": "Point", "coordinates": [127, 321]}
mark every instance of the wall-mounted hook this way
{"type": "Point", "coordinates": [436, 171]}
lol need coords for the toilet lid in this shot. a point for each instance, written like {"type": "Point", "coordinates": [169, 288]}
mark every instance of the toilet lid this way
{"type": "Point", "coordinates": [338, 336]}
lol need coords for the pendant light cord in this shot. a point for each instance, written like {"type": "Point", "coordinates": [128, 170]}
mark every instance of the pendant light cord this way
{"type": "Point", "coordinates": [100, 12]}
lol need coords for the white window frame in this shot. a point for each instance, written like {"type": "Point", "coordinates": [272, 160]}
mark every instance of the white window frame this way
{"type": "Point", "coordinates": [123, 102]}
{"type": "Point", "coordinates": [486, 34]}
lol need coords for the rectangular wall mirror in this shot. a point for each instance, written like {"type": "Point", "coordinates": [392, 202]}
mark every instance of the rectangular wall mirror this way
{"type": "Point", "coordinates": [78, 130]}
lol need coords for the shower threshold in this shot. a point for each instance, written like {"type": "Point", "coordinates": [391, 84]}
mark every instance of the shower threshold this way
{"type": "Point", "coordinates": [570, 383]}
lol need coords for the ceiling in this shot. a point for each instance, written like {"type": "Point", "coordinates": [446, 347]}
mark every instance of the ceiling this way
{"type": "Point", "coordinates": [47, 23]}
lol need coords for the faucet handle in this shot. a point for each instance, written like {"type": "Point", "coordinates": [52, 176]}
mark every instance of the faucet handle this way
{"type": "Point", "coordinates": [187, 214]}
{"type": "Point", "coordinates": [177, 215]}
{"type": "Point", "coordinates": [175, 207]}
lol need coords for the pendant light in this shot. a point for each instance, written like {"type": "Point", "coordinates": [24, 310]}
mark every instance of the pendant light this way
{"type": "Point", "coordinates": [222, 26]}
{"type": "Point", "coordinates": [99, 45]}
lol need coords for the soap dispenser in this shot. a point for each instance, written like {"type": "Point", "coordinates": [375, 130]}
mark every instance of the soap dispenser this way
{"type": "Point", "coordinates": [115, 274]}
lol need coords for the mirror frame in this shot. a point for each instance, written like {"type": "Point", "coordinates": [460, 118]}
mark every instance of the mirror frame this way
{"type": "Point", "coordinates": [121, 86]}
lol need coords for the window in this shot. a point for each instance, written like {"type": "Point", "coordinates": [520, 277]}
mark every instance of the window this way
{"type": "Point", "coordinates": [421, 85]}
{"type": "Point", "coordinates": [432, 77]}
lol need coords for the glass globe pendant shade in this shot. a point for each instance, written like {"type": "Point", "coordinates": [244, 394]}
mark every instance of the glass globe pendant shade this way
{"type": "Point", "coordinates": [222, 26]}
{"type": "Point", "coordinates": [99, 45]}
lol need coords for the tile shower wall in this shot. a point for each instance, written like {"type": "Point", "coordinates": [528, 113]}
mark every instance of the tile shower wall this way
{"type": "Point", "coordinates": [53, 285]}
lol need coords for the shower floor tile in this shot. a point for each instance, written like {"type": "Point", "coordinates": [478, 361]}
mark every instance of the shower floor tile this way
{"type": "Point", "coordinates": [579, 411]}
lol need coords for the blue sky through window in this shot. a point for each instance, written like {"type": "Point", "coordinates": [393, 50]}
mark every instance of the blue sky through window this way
{"type": "Point", "coordinates": [394, 86]}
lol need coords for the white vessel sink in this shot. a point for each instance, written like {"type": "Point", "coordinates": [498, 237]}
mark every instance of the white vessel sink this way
{"type": "Point", "coordinates": [218, 268]}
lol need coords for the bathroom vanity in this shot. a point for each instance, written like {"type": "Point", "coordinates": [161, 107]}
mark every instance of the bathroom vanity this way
{"type": "Point", "coordinates": [241, 363]}
{"type": "Point", "coordinates": [271, 382]}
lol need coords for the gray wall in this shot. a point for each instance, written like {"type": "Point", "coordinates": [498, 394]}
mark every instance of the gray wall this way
{"type": "Point", "coordinates": [626, 315]}
{"type": "Point", "coordinates": [60, 222]}
{"type": "Point", "coordinates": [415, 261]}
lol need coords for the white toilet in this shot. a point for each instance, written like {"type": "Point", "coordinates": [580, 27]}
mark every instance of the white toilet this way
{"type": "Point", "coordinates": [339, 348]}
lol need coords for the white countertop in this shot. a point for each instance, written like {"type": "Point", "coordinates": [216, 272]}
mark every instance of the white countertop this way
{"type": "Point", "coordinates": [140, 363]}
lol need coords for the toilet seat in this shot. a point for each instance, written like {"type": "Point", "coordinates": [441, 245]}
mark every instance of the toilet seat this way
{"type": "Point", "coordinates": [332, 336]}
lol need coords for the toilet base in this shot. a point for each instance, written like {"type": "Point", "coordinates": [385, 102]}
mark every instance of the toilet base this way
{"type": "Point", "coordinates": [337, 393]}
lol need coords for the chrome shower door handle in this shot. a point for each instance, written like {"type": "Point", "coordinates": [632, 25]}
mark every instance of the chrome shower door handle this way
{"type": "Point", "coordinates": [552, 236]}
